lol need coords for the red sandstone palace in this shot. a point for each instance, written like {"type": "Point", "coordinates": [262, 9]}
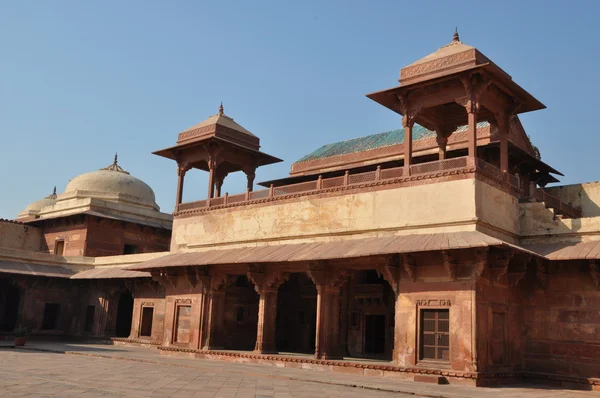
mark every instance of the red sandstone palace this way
{"type": "Point", "coordinates": [435, 250]}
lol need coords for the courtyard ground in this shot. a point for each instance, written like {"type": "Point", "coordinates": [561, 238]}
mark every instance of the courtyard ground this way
{"type": "Point", "coordinates": [91, 370]}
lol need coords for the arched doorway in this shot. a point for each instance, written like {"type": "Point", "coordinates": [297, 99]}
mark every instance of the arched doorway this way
{"type": "Point", "coordinates": [9, 300]}
{"type": "Point", "coordinates": [296, 323]}
{"type": "Point", "coordinates": [124, 314]}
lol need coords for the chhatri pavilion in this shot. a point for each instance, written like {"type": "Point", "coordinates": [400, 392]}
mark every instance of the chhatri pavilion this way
{"type": "Point", "coordinates": [432, 252]}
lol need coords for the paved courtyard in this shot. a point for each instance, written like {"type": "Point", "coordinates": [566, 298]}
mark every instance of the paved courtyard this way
{"type": "Point", "coordinates": [103, 370]}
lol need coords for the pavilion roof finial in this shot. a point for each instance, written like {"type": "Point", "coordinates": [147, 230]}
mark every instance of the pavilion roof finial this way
{"type": "Point", "coordinates": [455, 38]}
{"type": "Point", "coordinates": [53, 195]}
{"type": "Point", "coordinates": [115, 166]}
{"type": "Point", "coordinates": [221, 109]}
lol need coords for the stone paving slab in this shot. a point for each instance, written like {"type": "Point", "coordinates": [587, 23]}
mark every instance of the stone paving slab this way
{"type": "Point", "coordinates": [232, 379]}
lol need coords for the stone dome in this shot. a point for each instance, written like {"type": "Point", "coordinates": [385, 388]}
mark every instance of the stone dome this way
{"type": "Point", "coordinates": [35, 207]}
{"type": "Point", "coordinates": [111, 183]}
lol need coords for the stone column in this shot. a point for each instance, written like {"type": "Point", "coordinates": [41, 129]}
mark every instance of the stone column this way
{"type": "Point", "coordinates": [182, 168]}
{"type": "Point", "coordinates": [472, 128]}
{"type": "Point", "coordinates": [212, 168]}
{"type": "Point", "coordinates": [328, 284]}
{"type": "Point", "coordinates": [503, 126]}
{"type": "Point", "coordinates": [214, 324]}
{"type": "Point", "coordinates": [267, 313]}
{"type": "Point", "coordinates": [442, 142]}
{"type": "Point", "coordinates": [214, 317]}
{"type": "Point", "coordinates": [250, 175]}
{"type": "Point", "coordinates": [408, 123]}
{"type": "Point", "coordinates": [266, 284]}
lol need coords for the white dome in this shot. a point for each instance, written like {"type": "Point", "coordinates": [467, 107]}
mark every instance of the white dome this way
{"type": "Point", "coordinates": [39, 204]}
{"type": "Point", "coordinates": [35, 207]}
{"type": "Point", "coordinates": [113, 180]}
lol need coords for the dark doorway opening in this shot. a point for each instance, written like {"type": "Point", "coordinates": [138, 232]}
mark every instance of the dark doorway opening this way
{"type": "Point", "coordinates": [50, 320]}
{"type": "Point", "coordinates": [375, 334]}
{"type": "Point", "coordinates": [89, 319]}
{"type": "Point", "coordinates": [147, 317]}
{"type": "Point", "coordinates": [11, 309]}
{"type": "Point", "coordinates": [241, 315]}
{"type": "Point", "coordinates": [296, 322]}
{"type": "Point", "coordinates": [124, 314]}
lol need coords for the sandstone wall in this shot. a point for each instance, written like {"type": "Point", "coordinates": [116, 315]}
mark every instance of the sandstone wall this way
{"type": "Point", "coordinates": [424, 208]}
{"type": "Point", "coordinates": [586, 195]}
{"type": "Point", "coordinates": [562, 325]}
{"type": "Point", "coordinates": [19, 236]}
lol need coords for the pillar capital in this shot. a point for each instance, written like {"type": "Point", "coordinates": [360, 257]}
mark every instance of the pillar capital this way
{"type": "Point", "coordinates": [266, 281]}
{"type": "Point", "coordinates": [182, 168]}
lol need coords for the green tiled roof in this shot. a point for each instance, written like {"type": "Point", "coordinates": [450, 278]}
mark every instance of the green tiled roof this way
{"type": "Point", "coordinates": [374, 141]}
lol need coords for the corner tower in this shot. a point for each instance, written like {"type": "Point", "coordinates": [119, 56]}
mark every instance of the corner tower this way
{"type": "Point", "coordinates": [455, 86]}
{"type": "Point", "coordinates": [220, 146]}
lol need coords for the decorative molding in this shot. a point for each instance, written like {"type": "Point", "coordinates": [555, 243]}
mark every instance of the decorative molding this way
{"type": "Point", "coordinates": [183, 301]}
{"type": "Point", "coordinates": [466, 57]}
{"type": "Point", "coordinates": [147, 304]}
{"type": "Point", "coordinates": [434, 303]}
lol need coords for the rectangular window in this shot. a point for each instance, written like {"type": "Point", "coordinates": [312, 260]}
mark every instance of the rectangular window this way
{"type": "Point", "coordinates": [183, 324]}
{"type": "Point", "coordinates": [130, 249]}
{"type": "Point", "coordinates": [51, 311]}
{"type": "Point", "coordinates": [59, 247]}
{"type": "Point", "coordinates": [435, 335]}
{"type": "Point", "coordinates": [146, 323]}
{"type": "Point", "coordinates": [89, 319]}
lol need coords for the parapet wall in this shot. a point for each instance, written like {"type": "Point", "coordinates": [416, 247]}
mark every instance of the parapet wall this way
{"type": "Point", "coordinates": [19, 236]}
{"type": "Point", "coordinates": [430, 208]}
{"type": "Point", "coordinates": [586, 195]}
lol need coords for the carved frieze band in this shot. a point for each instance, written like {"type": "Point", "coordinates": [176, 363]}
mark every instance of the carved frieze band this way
{"type": "Point", "coordinates": [434, 303]}
{"type": "Point", "coordinates": [183, 301]}
{"type": "Point", "coordinates": [147, 303]}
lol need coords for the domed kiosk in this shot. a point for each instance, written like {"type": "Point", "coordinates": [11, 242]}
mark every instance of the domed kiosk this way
{"type": "Point", "coordinates": [120, 209]}
{"type": "Point", "coordinates": [113, 183]}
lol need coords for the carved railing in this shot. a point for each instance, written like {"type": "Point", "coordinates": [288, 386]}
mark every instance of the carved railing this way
{"type": "Point", "coordinates": [428, 170]}
{"type": "Point", "coordinates": [559, 207]}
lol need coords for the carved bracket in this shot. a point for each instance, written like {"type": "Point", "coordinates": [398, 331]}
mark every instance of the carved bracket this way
{"type": "Point", "coordinates": [480, 262]}
{"type": "Point", "coordinates": [450, 264]}
{"type": "Point", "coordinates": [390, 271]}
{"type": "Point", "coordinates": [499, 265]}
{"type": "Point", "coordinates": [409, 264]}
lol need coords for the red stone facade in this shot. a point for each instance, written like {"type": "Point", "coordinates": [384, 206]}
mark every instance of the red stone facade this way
{"type": "Point", "coordinates": [96, 237]}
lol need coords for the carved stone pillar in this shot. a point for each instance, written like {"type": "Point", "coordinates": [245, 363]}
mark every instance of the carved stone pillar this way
{"type": "Point", "coordinates": [250, 175]}
{"type": "Point", "coordinates": [328, 284]}
{"type": "Point", "coordinates": [219, 179]}
{"type": "Point", "coordinates": [503, 127]}
{"type": "Point", "coordinates": [212, 168]}
{"type": "Point", "coordinates": [214, 317]}
{"type": "Point", "coordinates": [474, 86]}
{"type": "Point", "coordinates": [408, 123]}
{"type": "Point", "coordinates": [266, 285]}
{"type": "Point", "coordinates": [182, 168]}
{"type": "Point", "coordinates": [442, 142]}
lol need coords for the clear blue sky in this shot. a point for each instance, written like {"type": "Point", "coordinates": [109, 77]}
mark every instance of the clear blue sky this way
{"type": "Point", "coordinates": [81, 80]}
